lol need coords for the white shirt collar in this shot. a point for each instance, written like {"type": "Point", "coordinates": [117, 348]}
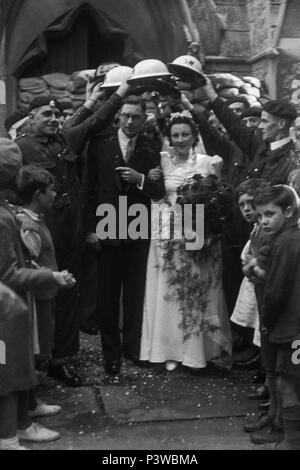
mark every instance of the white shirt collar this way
{"type": "Point", "coordinates": [279, 143]}
{"type": "Point", "coordinates": [33, 215]}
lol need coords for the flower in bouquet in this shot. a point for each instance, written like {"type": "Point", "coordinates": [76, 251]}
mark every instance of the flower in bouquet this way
{"type": "Point", "coordinates": [217, 199]}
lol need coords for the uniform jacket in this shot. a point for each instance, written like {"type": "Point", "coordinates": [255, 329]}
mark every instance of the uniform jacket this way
{"type": "Point", "coordinates": [273, 166]}
{"type": "Point", "coordinates": [103, 184]}
{"type": "Point", "coordinates": [59, 154]}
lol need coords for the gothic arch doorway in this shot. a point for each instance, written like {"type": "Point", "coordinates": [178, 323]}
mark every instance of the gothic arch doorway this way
{"type": "Point", "coordinates": [80, 39]}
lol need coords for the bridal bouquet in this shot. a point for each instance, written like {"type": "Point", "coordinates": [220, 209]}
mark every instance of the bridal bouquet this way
{"type": "Point", "coordinates": [194, 274]}
{"type": "Point", "coordinates": [217, 200]}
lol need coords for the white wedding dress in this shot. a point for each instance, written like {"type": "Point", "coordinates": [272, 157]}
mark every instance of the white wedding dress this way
{"type": "Point", "coordinates": [175, 325]}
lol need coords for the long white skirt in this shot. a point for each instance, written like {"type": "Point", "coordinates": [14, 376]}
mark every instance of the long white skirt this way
{"type": "Point", "coordinates": [162, 337]}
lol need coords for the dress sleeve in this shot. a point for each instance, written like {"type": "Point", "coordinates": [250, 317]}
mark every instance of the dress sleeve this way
{"type": "Point", "coordinates": [245, 252]}
{"type": "Point", "coordinates": [216, 164]}
{"type": "Point", "coordinates": [207, 165]}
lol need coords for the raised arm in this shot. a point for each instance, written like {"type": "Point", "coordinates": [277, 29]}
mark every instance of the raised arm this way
{"type": "Point", "coordinates": [214, 142]}
{"type": "Point", "coordinates": [244, 137]}
{"type": "Point", "coordinates": [78, 136]}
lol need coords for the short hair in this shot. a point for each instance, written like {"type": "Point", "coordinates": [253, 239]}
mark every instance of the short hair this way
{"type": "Point", "coordinates": [183, 120]}
{"type": "Point", "coordinates": [294, 177]}
{"type": "Point", "coordinates": [135, 100]}
{"type": "Point", "coordinates": [33, 178]}
{"type": "Point", "coordinates": [251, 186]}
{"type": "Point", "coordinates": [280, 195]}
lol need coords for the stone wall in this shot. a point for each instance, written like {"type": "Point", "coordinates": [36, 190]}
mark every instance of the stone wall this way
{"type": "Point", "coordinates": [289, 81]}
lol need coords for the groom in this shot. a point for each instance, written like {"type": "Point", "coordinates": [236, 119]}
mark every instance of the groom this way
{"type": "Point", "coordinates": [117, 166]}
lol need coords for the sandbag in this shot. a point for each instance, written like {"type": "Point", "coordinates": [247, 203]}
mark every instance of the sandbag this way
{"type": "Point", "coordinates": [33, 85]}
{"type": "Point", "coordinates": [56, 80]}
{"type": "Point", "coordinates": [251, 100]}
{"type": "Point", "coordinates": [254, 92]}
{"type": "Point", "coordinates": [253, 81]}
{"type": "Point", "coordinates": [225, 80]}
{"type": "Point", "coordinates": [245, 88]}
{"type": "Point", "coordinates": [228, 92]}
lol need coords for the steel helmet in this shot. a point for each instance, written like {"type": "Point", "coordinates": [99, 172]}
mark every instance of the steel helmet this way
{"type": "Point", "coordinates": [149, 69]}
{"type": "Point", "coordinates": [116, 76]}
{"type": "Point", "coordinates": [188, 69]}
{"type": "Point", "coordinates": [103, 69]}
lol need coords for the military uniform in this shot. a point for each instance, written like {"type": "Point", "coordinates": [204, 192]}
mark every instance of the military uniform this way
{"type": "Point", "coordinates": [59, 155]}
{"type": "Point", "coordinates": [272, 166]}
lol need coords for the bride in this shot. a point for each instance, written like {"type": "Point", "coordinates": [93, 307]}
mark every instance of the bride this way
{"type": "Point", "coordinates": [185, 318]}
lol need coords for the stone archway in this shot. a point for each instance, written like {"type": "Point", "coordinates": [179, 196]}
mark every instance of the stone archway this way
{"type": "Point", "coordinates": [79, 39]}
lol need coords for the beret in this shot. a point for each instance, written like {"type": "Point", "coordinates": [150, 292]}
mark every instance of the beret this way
{"type": "Point", "coordinates": [238, 99]}
{"type": "Point", "coordinates": [281, 109]}
{"type": "Point", "coordinates": [14, 117]}
{"type": "Point", "coordinates": [10, 161]}
{"type": "Point", "coordinates": [44, 100]}
{"type": "Point", "coordinates": [66, 104]}
{"type": "Point", "coordinates": [252, 111]}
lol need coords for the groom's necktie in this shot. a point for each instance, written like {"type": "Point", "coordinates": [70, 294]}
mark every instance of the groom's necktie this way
{"type": "Point", "coordinates": [129, 150]}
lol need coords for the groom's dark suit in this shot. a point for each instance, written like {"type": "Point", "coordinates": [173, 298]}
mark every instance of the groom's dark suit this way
{"type": "Point", "coordinates": [122, 263]}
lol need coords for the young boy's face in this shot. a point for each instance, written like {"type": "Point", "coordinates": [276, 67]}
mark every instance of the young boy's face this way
{"type": "Point", "coordinates": [271, 217]}
{"type": "Point", "coordinates": [247, 208]}
{"type": "Point", "coordinates": [45, 199]}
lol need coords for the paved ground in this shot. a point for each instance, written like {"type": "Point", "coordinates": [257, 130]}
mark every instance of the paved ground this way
{"type": "Point", "coordinates": [87, 424]}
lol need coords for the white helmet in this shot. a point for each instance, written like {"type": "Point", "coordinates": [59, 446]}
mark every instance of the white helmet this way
{"type": "Point", "coordinates": [149, 69]}
{"type": "Point", "coordinates": [116, 76]}
{"type": "Point", "coordinates": [187, 68]}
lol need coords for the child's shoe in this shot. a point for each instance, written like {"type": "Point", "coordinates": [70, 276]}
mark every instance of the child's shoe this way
{"type": "Point", "coordinates": [11, 444]}
{"type": "Point", "coordinates": [272, 433]}
{"type": "Point", "coordinates": [42, 410]}
{"type": "Point", "coordinates": [258, 424]}
{"type": "Point", "coordinates": [38, 433]}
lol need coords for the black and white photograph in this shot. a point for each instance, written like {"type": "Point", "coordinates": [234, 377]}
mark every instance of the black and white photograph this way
{"type": "Point", "coordinates": [149, 228]}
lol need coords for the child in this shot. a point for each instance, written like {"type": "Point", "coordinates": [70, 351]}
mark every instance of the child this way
{"type": "Point", "coordinates": [278, 212]}
{"type": "Point", "coordinates": [15, 423]}
{"type": "Point", "coordinates": [36, 190]}
{"type": "Point", "coordinates": [268, 427]}
{"type": "Point", "coordinates": [246, 312]}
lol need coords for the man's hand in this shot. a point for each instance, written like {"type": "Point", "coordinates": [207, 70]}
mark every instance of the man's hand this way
{"type": "Point", "coordinates": [93, 240]}
{"type": "Point", "coordinates": [155, 174]}
{"type": "Point", "coordinates": [95, 95]}
{"type": "Point", "coordinates": [130, 175]}
{"type": "Point", "coordinates": [125, 89]}
{"type": "Point", "coordinates": [209, 90]}
{"type": "Point", "coordinates": [186, 102]}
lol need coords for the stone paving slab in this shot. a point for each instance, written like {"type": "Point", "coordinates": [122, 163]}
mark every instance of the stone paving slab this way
{"type": "Point", "coordinates": [152, 397]}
